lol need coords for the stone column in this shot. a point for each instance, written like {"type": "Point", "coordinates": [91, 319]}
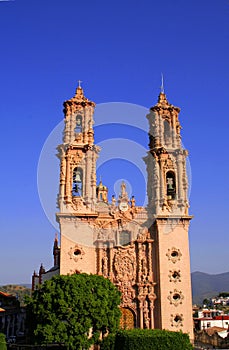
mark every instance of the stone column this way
{"type": "Point", "coordinates": [151, 306]}
{"type": "Point", "coordinates": [68, 179]}
{"type": "Point", "coordinates": [111, 253]}
{"type": "Point", "coordinates": [179, 176]}
{"type": "Point", "coordinates": [99, 258]}
{"type": "Point", "coordinates": [141, 313]}
{"type": "Point", "coordinates": [62, 181]}
{"type": "Point", "coordinates": [87, 184]}
{"type": "Point", "coordinates": [150, 260]}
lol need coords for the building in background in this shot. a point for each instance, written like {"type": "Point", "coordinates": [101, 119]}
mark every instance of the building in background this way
{"type": "Point", "coordinates": [12, 316]}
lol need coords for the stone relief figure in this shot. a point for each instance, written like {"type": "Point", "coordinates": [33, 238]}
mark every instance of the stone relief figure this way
{"type": "Point", "coordinates": [146, 314]}
{"type": "Point", "coordinates": [143, 269]}
{"type": "Point", "coordinates": [105, 266]}
{"type": "Point", "coordinates": [144, 234]}
{"type": "Point", "coordinates": [124, 265]}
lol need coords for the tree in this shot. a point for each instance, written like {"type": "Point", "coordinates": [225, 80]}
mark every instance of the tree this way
{"type": "Point", "coordinates": [73, 310]}
{"type": "Point", "coordinates": [223, 295]}
{"type": "Point", "coordinates": [3, 342]}
{"type": "Point", "coordinates": [207, 302]}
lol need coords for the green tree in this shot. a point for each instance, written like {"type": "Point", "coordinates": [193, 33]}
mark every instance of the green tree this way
{"type": "Point", "coordinates": [207, 302]}
{"type": "Point", "coordinates": [73, 310]}
{"type": "Point", "coordinates": [2, 342]}
{"type": "Point", "coordinates": [223, 295]}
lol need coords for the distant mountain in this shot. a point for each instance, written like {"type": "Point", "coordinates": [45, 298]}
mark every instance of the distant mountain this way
{"type": "Point", "coordinates": [205, 285]}
{"type": "Point", "coordinates": [20, 291]}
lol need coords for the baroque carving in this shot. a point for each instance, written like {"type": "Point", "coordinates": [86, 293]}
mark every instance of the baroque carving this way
{"type": "Point", "coordinates": [175, 297]}
{"type": "Point", "coordinates": [79, 205]}
{"type": "Point", "coordinates": [144, 234]}
{"type": "Point", "coordinates": [177, 320]}
{"type": "Point", "coordinates": [174, 276]}
{"type": "Point", "coordinates": [76, 252]}
{"type": "Point", "coordinates": [174, 254]}
{"type": "Point", "coordinates": [124, 264]}
{"type": "Point", "coordinates": [104, 263]}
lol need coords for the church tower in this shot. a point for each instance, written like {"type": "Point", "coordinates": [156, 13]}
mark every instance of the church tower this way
{"type": "Point", "coordinates": [143, 251]}
{"type": "Point", "coordinates": [77, 192]}
{"type": "Point", "coordinates": [168, 217]}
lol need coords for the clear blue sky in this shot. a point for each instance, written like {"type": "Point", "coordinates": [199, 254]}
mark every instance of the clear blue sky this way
{"type": "Point", "coordinates": [118, 49]}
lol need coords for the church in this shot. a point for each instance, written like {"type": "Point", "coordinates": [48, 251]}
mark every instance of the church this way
{"type": "Point", "coordinates": [144, 251]}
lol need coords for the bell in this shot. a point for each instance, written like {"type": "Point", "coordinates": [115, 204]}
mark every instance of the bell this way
{"type": "Point", "coordinates": [170, 183]}
{"type": "Point", "coordinates": [77, 177]}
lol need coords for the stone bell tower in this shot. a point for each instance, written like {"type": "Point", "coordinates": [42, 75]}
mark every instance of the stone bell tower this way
{"type": "Point", "coordinates": [168, 217]}
{"type": "Point", "coordinates": [77, 192]}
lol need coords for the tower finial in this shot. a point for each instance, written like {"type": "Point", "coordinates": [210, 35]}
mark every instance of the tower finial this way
{"type": "Point", "coordinates": [162, 84]}
{"type": "Point", "coordinates": [79, 83]}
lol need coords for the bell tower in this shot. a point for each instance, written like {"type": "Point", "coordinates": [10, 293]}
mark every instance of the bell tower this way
{"type": "Point", "coordinates": [78, 155]}
{"type": "Point", "coordinates": [168, 217]}
{"type": "Point", "coordinates": [77, 191]}
{"type": "Point", "coordinates": [168, 184]}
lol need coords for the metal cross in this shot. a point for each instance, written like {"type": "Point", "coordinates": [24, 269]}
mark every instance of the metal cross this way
{"type": "Point", "coordinates": [79, 82]}
{"type": "Point", "coordinates": [162, 84]}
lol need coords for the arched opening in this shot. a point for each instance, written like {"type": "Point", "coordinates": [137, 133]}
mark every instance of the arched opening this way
{"type": "Point", "coordinates": [167, 132]}
{"type": "Point", "coordinates": [78, 127]}
{"type": "Point", "coordinates": [171, 185]}
{"type": "Point", "coordinates": [127, 320]}
{"type": "Point", "coordinates": [77, 182]}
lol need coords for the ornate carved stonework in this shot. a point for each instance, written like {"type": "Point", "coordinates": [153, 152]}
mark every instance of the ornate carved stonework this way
{"type": "Point", "coordinates": [175, 297]}
{"type": "Point", "coordinates": [174, 276]}
{"type": "Point", "coordinates": [125, 264]}
{"type": "Point", "coordinates": [174, 254]}
{"type": "Point", "coordinates": [76, 252]}
{"type": "Point", "coordinates": [176, 320]}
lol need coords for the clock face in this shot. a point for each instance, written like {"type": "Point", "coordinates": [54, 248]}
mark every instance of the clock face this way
{"type": "Point", "coordinates": [123, 206]}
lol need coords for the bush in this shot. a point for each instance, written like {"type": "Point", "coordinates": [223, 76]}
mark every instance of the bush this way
{"type": "Point", "coordinates": [146, 339]}
{"type": "Point", "coordinates": [2, 342]}
{"type": "Point", "coordinates": [108, 343]}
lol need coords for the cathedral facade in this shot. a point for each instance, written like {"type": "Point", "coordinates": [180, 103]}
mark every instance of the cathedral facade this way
{"type": "Point", "coordinates": [144, 251]}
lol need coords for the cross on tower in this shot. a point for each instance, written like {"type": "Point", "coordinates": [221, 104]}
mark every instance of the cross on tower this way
{"type": "Point", "coordinates": [79, 82]}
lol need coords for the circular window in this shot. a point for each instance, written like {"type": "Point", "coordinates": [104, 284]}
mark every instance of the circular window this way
{"type": "Point", "coordinates": [177, 318]}
{"type": "Point", "coordinates": [77, 252]}
{"type": "Point", "coordinates": [176, 296]}
{"type": "Point", "coordinates": [174, 254]}
{"type": "Point", "coordinates": [176, 275]}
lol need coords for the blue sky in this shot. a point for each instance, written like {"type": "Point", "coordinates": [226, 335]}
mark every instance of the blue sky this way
{"type": "Point", "coordinates": [118, 49]}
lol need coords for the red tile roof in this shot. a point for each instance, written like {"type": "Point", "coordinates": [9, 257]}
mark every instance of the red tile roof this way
{"type": "Point", "coordinates": [7, 295]}
{"type": "Point", "coordinates": [221, 317]}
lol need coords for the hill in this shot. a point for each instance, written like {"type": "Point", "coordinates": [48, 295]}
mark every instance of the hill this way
{"type": "Point", "coordinates": [18, 290]}
{"type": "Point", "coordinates": [205, 285]}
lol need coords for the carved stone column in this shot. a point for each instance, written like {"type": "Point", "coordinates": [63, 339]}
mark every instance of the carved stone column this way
{"type": "Point", "coordinates": [111, 254]}
{"type": "Point", "coordinates": [179, 176]}
{"type": "Point", "coordinates": [150, 271]}
{"type": "Point", "coordinates": [141, 313]}
{"type": "Point", "coordinates": [99, 256]}
{"type": "Point", "coordinates": [87, 185]}
{"type": "Point", "coordinates": [151, 307]}
{"type": "Point", "coordinates": [62, 179]}
{"type": "Point", "coordinates": [68, 179]}
{"type": "Point", "coordinates": [162, 180]}
{"type": "Point", "coordinates": [139, 252]}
